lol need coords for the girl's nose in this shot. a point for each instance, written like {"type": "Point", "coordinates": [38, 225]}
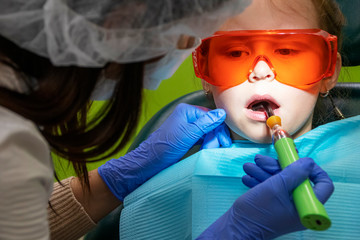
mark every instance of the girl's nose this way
{"type": "Point", "coordinates": [261, 71]}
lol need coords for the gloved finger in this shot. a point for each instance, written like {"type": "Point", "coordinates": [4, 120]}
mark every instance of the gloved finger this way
{"type": "Point", "coordinates": [219, 137]}
{"type": "Point", "coordinates": [268, 164]}
{"type": "Point", "coordinates": [209, 121]}
{"type": "Point", "coordinates": [323, 185]}
{"type": "Point", "coordinates": [193, 121]}
{"type": "Point", "coordinates": [223, 134]}
{"type": "Point", "coordinates": [256, 172]}
{"type": "Point", "coordinates": [190, 112]}
{"type": "Point", "coordinates": [210, 141]}
{"type": "Point", "coordinates": [205, 109]}
{"type": "Point", "coordinates": [297, 172]}
{"type": "Point", "coordinates": [249, 181]}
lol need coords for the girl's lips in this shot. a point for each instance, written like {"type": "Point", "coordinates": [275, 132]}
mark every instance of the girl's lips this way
{"type": "Point", "coordinates": [262, 98]}
{"type": "Point", "coordinates": [258, 115]}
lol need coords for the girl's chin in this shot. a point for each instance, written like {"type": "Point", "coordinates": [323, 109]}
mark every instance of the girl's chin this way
{"type": "Point", "coordinates": [265, 140]}
{"type": "Point", "coordinates": [262, 139]}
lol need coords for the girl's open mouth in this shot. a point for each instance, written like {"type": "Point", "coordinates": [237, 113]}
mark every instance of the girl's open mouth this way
{"type": "Point", "coordinates": [254, 109]}
{"type": "Point", "coordinates": [257, 105]}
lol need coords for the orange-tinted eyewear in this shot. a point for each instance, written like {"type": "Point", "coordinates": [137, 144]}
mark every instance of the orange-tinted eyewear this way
{"type": "Point", "coordinates": [298, 58]}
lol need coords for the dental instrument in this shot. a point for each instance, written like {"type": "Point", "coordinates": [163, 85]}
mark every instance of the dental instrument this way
{"type": "Point", "coordinates": [311, 211]}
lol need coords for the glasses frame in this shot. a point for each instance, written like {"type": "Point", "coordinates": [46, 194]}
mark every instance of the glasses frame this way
{"type": "Point", "coordinates": [331, 41]}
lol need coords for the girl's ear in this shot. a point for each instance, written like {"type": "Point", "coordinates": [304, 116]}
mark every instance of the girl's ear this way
{"type": "Point", "coordinates": [206, 86]}
{"type": "Point", "coordinates": [330, 82]}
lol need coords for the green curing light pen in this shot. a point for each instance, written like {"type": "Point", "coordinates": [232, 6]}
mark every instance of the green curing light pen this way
{"type": "Point", "coordinates": [311, 211]}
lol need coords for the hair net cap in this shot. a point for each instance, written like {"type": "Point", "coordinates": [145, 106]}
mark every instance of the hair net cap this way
{"type": "Point", "coordinates": [91, 33]}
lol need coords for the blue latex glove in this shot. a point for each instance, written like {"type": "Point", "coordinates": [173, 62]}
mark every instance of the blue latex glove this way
{"type": "Point", "coordinates": [267, 211]}
{"type": "Point", "coordinates": [266, 166]}
{"type": "Point", "coordinates": [185, 127]}
{"type": "Point", "coordinates": [218, 137]}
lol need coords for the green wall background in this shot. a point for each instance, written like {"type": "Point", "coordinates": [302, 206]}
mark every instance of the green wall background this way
{"type": "Point", "coordinates": [181, 83]}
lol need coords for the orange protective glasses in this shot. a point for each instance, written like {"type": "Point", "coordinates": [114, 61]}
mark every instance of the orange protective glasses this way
{"type": "Point", "coordinates": [298, 58]}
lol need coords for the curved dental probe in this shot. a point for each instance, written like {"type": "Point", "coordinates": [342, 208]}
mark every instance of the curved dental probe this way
{"type": "Point", "coordinates": [265, 106]}
{"type": "Point", "coordinates": [311, 211]}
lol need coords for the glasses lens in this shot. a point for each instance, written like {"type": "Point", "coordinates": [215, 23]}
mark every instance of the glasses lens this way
{"type": "Point", "coordinates": [298, 59]}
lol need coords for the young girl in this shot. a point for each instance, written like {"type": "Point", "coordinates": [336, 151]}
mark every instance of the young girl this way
{"type": "Point", "coordinates": [277, 52]}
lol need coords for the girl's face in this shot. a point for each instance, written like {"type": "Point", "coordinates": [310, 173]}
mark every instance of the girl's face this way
{"type": "Point", "coordinates": [293, 105]}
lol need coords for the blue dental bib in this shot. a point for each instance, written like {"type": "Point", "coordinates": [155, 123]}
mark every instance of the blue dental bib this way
{"type": "Point", "coordinates": [183, 200]}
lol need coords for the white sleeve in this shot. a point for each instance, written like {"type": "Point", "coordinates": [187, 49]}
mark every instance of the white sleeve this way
{"type": "Point", "coordinates": [26, 179]}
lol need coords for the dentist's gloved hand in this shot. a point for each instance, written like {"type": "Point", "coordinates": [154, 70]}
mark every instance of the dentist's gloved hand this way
{"type": "Point", "coordinates": [266, 166]}
{"type": "Point", "coordinates": [185, 127]}
{"type": "Point", "coordinates": [267, 211]}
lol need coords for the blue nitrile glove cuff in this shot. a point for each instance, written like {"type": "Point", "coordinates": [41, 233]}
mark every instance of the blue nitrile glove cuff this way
{"type": "Point", "coordinates": [185, 127]}
{"type": "Point", "coordinates": [123, 175]}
